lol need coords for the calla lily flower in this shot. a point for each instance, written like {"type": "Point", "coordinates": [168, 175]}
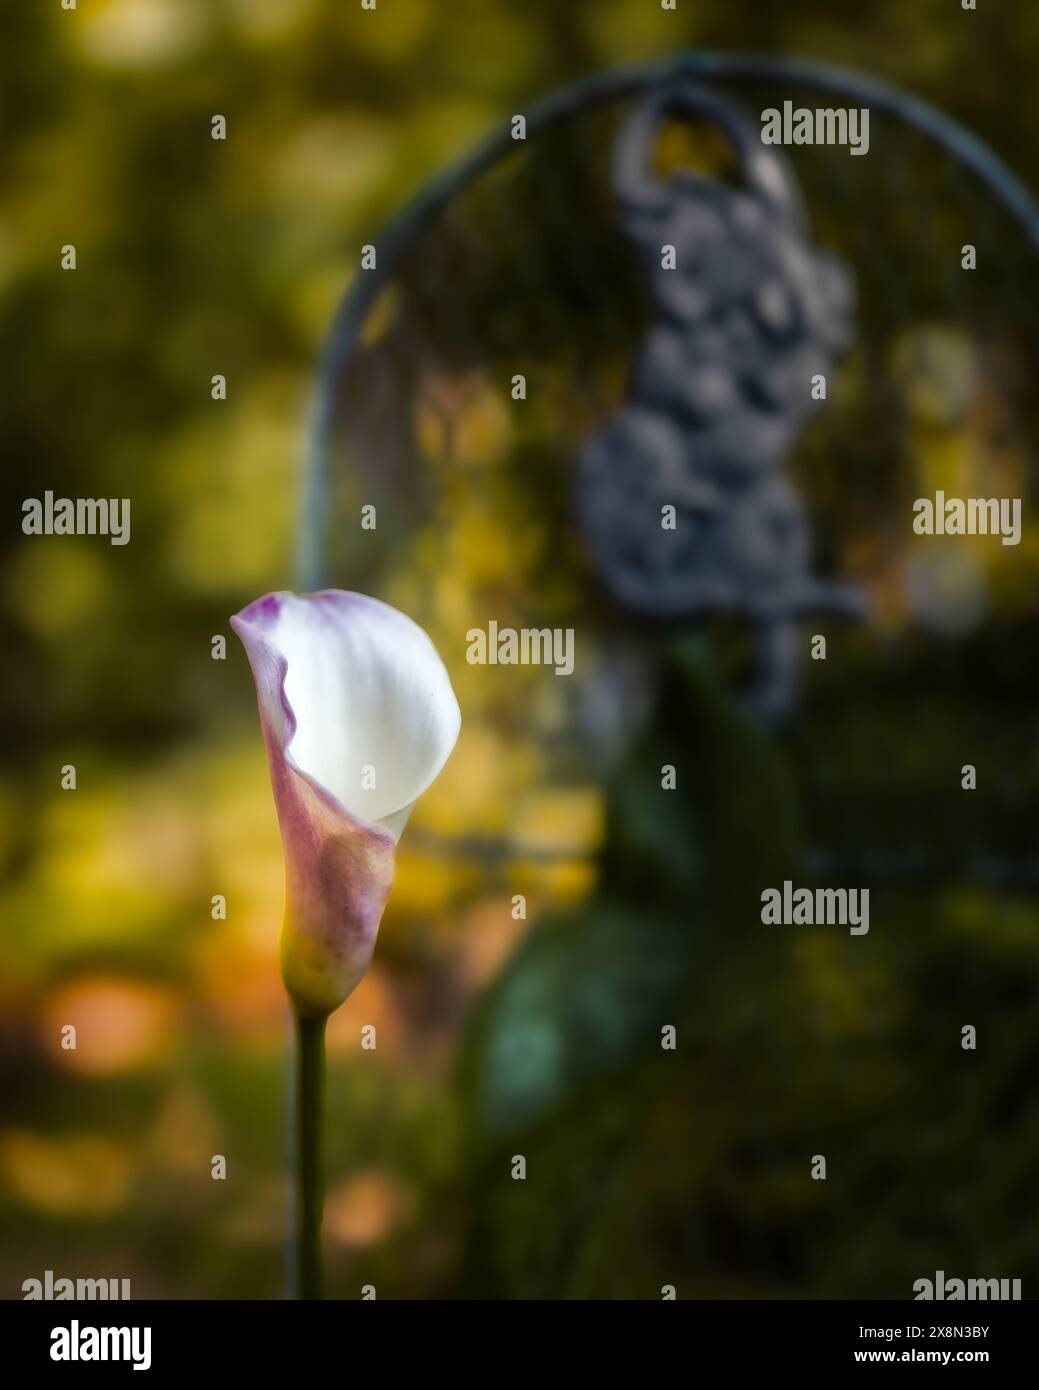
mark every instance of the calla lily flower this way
{"type": "Point", "coordinates": [359, 717]}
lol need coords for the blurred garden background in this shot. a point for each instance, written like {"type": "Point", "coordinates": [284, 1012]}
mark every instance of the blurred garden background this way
{"type": "Point", "coordinates": [499, 1036]}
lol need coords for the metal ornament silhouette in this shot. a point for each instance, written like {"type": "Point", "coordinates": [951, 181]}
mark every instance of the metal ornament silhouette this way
{"type": "Point", "coordinates": [721, 384]}
{"type": "Point", "coordinates": [719, 390]}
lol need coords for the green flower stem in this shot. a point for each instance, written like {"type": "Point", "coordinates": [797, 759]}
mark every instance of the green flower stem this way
{"type": "Point", "coordinates": [310, 1181]}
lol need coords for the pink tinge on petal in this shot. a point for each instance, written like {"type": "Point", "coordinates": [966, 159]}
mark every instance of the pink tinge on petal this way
{"type": "Point", "coordinates": [338, 874]}
{"type": "Point", "coordinates": [338, 868]}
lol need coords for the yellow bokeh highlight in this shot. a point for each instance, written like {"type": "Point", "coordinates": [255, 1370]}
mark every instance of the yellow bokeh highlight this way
{"type": "Point", "coordinates": [229, 527]}
{"type": "Point", "coordinates": [567, 820]}
{"type": "Point", "coordinates": [423, 883]}
{"type": "Point", "coordinates": [141, 34]}
{"type": "Point", "coordinates": [79, 1174]}
{"type": "Point", "coordinates": [54, 584]}
{"type": "Point", "coordinates": [266, 22]}
{"type": "Point", "coordinates": [326, 162]}
{"type": "Point", "coordinates": [558, 882]}
{"type": "Point", "coordinates": [381, 316]}
{"type": "Point", "coordinates": [369, 35]}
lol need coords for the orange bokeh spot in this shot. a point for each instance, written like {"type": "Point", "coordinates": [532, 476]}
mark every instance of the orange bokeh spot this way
{"type": "Point", "coordinates": [364, 1209]}
{"type": "Point", "coordinates": [120, 1024]}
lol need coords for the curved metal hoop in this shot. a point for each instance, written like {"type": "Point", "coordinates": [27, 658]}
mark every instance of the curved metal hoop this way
{"type": "Point", "coordinates": [399, 233]}
{"type": "Point", "coordinates": [634, 181]}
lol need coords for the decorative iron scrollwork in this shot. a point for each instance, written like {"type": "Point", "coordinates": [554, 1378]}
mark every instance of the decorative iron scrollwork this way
{"type": "Point", "coordinates": [720, 389]}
